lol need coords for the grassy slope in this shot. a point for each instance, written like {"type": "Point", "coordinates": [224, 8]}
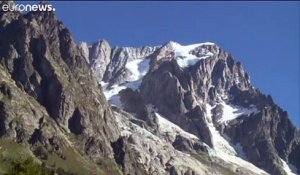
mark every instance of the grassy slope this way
{"type": "Point", "coordinates": [72, 161]}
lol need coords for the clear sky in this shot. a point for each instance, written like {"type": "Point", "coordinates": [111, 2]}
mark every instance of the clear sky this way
{"type": "Point", "coordinates": [264, 36]}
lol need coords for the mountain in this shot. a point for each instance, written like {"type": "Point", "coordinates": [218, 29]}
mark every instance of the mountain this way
{"type": "Point", "coordinates": [97, 109]}
{"type": "Point", "coordinates": [207, 94]}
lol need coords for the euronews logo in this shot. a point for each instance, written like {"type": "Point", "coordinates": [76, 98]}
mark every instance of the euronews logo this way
{"type": "Point", "coordinates": [27, 7]}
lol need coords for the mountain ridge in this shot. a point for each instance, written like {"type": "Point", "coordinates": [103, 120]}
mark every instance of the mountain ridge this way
{"type": "Point", "coordinates": [166, 55]}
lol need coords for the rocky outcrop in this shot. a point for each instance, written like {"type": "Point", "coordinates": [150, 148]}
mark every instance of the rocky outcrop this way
{"type": "Point", "coordinates": [108, 64]}
{"type": "Point", "coordinates": [98, 55]}
{"type": "Point", "coordinates": [44, 74]}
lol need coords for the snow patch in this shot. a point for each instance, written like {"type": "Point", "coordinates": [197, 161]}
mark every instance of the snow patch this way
{"type": "Point", "coordinates": [128, 128]}
{"type": "Point", "coordinates": [111, 94]}
{"type": "Point", "coordinates": [165, 126]}
{"type": "Point", "coordinates": [183, 56]}
{"type": "Point", "coordinates": [231, 112]}
{"type": "Point", "coordinates": [288, 168]}
{"type": "Point", "coordinates": [220, 144]}
{"type": "Point", "coordinates": [138, 69]}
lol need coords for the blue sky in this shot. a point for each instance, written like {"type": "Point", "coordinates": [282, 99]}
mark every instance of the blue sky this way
{"type": "Point", "coordinates": [264, 36]}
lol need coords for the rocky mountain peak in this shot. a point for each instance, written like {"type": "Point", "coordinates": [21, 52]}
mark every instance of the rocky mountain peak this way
{"type": "Point", "coordinates": [202, 89]}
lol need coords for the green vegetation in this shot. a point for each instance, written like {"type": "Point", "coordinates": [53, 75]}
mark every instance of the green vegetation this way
{"type": "Point", "coordinates": [72, 161]}
{"type": "Point", "coordinates": [27, 167]}
{"type": "Point", "coordinates": [30, 167]}
{"type": "Point", "coordinates": [10, 152]}
{"type": "Point", "coordinates": [17, 159]}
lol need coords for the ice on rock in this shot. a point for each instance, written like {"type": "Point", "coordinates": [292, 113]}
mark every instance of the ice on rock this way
{"type": "Point", "coordinates": [289, 169]}
{"type": "Point", "coordinates": [138, 69]}
{"type": "Point", "coordinates": [165, 126]}
{"type": "Point", "coordinates": [231, 112]}
{"type": "Point", "coordinates": [183, 54]}
{"type": "Point", "coordinates": [224, 149]}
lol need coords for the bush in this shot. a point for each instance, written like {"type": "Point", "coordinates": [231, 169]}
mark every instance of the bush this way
{"type": "Point", "coordinates": [27, 167]}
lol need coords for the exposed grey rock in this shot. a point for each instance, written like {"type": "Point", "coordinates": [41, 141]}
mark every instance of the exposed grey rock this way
{"type": "Point", "coordinates": [108, 64]}
{"type": "Point", "coordinates": [139, 151]}
{"type": "Point", "coordinates": [190, 146]}
{"type": "Point", "coordinates": [48, 92]}
{"type": "Point", "coordinates": [100, 58]}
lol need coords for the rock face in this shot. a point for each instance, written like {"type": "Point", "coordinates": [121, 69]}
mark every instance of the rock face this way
{"type": "Point", "coordinates": [48, 95]}
{"type": "Point", "coordinates": [109, 63]}
{"type": "Point", "coordinates": [203, 90]}
{"type": "Point", "coordinates": [177, 92]}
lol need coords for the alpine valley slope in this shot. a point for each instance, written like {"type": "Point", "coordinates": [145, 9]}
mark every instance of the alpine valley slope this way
{"type": "Point", "coordinates": [174, 109]}
{"type": "Point", "coordinates": [195, 100]}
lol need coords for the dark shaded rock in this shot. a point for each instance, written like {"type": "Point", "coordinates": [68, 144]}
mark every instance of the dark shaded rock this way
{"type": "Point", "coordinates": [173, 171]}
{"type": "Point", "coordinates": [75, 124]}
{"type": "Point", "coordinates": [119, 152]}
{"type": "Point", "coordinates": [41, 153]}
{"type": "Point", "coordinates": [127, 157]}
{"type": "Point", "coordinates": [5, 90]}
{"type": "Point", "coordinates": [294, 157]}
{"type": "Point", "coordinates": [131, 100]}
{"type": "Point", "coordinates": [197, 125]}
{"type": "Point", "coordinates": [187, 145]}
{"type": "Point", "coordinates": [36, 137]}
{"type": "Point", "coordinates": [133, 103]}
{"type": "Point", "coordinates": [2, 119]}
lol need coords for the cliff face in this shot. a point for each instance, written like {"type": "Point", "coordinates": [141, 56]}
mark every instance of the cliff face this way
{"type": "Point", "coordinates": [48, 94]}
